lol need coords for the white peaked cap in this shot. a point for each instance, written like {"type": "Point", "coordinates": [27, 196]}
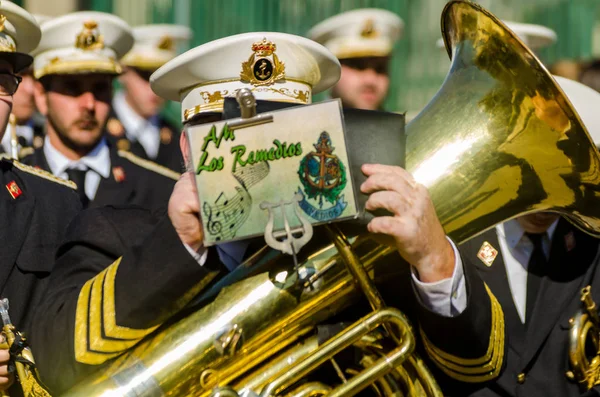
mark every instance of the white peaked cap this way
{"type": "Point", "coordinates": [366, 32]}
{"type": "Point", "coordinates": [586, 102]}
{"type": "Point", "coordinates": [82, 42]}
{"type": "Point", "coordinates": [155, 45]}
{"type": "Point", "coordinates": [19, 35]}
{"type": "Point", "coordinates": [274, 66]}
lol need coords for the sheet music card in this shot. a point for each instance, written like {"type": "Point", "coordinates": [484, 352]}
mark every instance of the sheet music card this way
{"type": "Point", "coordinates": [297, 164]}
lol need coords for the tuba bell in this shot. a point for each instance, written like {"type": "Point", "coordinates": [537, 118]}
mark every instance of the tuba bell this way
{"type": "Point", "coordinates": [499, 139]}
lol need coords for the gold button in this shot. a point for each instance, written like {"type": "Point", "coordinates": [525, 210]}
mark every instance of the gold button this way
{"type": "Point", "coordinates": [521, 378]}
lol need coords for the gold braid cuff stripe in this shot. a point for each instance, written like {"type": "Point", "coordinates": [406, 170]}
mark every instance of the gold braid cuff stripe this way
{"type": "Point", "coordinates": [97, 302]}
{"type": "Point", "coordinates": [77, 67]}
{"type": "Point", "coordinates": [478, 369]}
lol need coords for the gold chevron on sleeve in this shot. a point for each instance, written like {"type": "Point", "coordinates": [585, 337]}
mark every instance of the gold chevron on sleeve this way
{"type": "Point", "coordinates": [474, 370]}
{"type": "Point", "coordinates": [96, 315]}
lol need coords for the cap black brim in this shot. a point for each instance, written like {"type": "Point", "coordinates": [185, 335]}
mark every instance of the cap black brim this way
{"type": "Point", "coordinates": [18, 60]}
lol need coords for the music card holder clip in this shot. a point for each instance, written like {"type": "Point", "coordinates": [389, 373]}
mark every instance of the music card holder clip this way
{"type": "Point", "coordinates": [247, 104]}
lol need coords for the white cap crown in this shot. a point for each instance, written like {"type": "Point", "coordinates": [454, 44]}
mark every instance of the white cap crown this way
{"type": "Point", "coordinates": [367, 32]}
{"type": "Point", "coordinates": [274, 66]}
{"type": "Point", "coordinates": [82, 42]}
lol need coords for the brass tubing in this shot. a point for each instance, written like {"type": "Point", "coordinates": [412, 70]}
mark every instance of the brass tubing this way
{"type": "Point", "coordinates": [355, 267]}
{"type": "Point", "coordinates": [346, 338]}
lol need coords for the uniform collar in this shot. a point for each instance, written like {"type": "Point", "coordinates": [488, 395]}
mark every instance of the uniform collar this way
{"type": "Point", "coordinates": [97, 160]}
{"type": "Point", "coordinates": [513, 232]}
{"type": "Point", "coordinates": [134, 123]}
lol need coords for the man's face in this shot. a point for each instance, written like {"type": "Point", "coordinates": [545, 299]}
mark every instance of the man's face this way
{"type": "Point", "coordinates": [76, 107]}
{"type": "Point", "coordinates": [364, 82]}
{"type": "Point", "coordinates": [139, 94]}
{"type": "Point", "coordinates": [538, 222]}
{"type": "Point", "coordinates": [23, 100]}
{"type": "Point", "coordinates": [5, 101]}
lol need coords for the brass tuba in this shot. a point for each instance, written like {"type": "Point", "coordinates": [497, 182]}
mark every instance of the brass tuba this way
{"type": "Point", "coordinates": [499, 139]}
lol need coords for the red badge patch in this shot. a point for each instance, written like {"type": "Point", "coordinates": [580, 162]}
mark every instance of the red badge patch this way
{"type": "Point", "coordinates": [119, 174]}
{"type": "Point", "coordinates": [14, 189]}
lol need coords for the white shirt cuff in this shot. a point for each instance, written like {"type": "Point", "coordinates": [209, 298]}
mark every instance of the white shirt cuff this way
{"type": "Point", "coordinates": [446, 297]}
{"type": "Point", "coordinates": [199, 256]}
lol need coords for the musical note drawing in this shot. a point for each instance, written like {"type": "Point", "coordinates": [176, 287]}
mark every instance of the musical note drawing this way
{"type": "Point", "coordinates": [226, 215]}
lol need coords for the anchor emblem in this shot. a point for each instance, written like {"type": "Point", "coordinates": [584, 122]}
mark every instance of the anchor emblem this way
{"type": "Point", "coordinates": [290, 245]}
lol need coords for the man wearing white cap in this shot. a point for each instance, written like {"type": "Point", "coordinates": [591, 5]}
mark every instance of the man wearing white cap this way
{"type": "Point", "coordinates": [35, 206]}
{"type": "Point", "coordinates": [170, 263]}
{"type": "Point", "coordinates": [136, 123]}
{"type": "Point", "coordinates": [536, 265]}
{"type": "Point", "coordinates": [29, 123]}
{"type": "Point", "coordinates": [363, 41]}
{"type": "Point", "coordinates": [75, 64]}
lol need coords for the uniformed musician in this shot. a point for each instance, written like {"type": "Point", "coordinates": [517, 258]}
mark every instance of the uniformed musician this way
{"type": "Point", "coordinates": [136, 123]}
{"type": "Point", "coordinates": [75, 64]}
{"type": "Point", "coordinates": [35, 206]}
{"type": "Point", "coordinates": [363, 41]}
{"type": "Point", "coordinates": [151, 266]}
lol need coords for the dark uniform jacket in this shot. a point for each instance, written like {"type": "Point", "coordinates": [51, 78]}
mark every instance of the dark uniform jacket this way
{"type": "Point", "coordinates": [34, 221]}
{"type": "Point", "coordinates": [132, 180]}
{"type": "Point", "coordinates": [537, 356]}
{"type": "Point", "coordinates": [169, 153]}
{"type": "Point", "coordinates": [136, 260]}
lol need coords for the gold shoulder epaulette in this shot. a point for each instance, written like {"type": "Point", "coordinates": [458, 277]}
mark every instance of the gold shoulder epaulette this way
{"type": "Point", "coordinates": [44, 174]}
{"type": "Point", "coordinates": [26, 151]}
{"type": "Point", "coordinates": [149, 165]}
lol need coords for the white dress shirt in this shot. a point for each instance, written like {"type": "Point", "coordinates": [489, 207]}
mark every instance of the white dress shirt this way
{"type": "Point", "coordinates": [137, 128]}
{"type": "Point", "coordinates": [25, 130]}
{"type": "Point", "coordinates": [516, 250]}
{"type": "Point", "coordinates": [97, 161]}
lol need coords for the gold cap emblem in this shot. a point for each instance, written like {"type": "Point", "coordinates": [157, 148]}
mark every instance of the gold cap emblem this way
{"type": "Point", "coordinates": [368, 31]}
{"type": "Point", "coordinates": [2, 21]}
{"type": "Point", "coordinates": [487, 254]}
{"type": "Point", "coordinates": [90, 38]}
{"type": "Point", "coordinates": [166, 43]}
{"type": "Point", "coordinates": [263, 67]}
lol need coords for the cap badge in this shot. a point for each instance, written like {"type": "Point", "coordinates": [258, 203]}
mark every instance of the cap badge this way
{"type": "Point", "coordinates": [2, 20]}
{"type": "Point", "coordinates": [90, 38]}
{"type": "Point", "coordinates": [119, 174]}
{"type": "Point", "coordinates": [487, 254]}
{"type": "Point", "coordinates": [263, 67]}
{"type": "Point", "coordinates": [166, 43]}
{"type": "Point", "coordinates": [368, 31]}
{"type": "Point", "coordinates": [14, 189]}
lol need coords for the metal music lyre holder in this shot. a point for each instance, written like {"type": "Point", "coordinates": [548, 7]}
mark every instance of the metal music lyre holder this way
{"type": "Point", "coordinates": [249, 118]}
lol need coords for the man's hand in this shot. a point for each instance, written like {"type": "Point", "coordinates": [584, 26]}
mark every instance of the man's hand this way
{"type": "Point", "coordinates": [6, 379]}
{"type": "Point", "coordinates": [184, 211]}
{"type": "Point", "coordinates": [414, 226]}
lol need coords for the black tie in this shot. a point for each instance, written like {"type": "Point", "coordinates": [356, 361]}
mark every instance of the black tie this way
{"type": "Point", "coordinates": [78, 176]}
{"type": "Point", "coordinates": [535, 272]}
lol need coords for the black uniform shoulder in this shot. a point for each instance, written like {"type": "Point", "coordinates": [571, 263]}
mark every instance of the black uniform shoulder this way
{"type": "Point", "coordinates": [38, 180]}
{"type": "Point", "coordinates": [149, 166]}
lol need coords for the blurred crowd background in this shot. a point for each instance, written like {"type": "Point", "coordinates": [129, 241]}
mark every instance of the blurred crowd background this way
{"type": "Point", "coordinates": [418, 65]}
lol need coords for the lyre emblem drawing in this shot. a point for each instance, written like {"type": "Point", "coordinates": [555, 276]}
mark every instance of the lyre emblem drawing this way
{"type": "Point", "coordinates": [290, 244]}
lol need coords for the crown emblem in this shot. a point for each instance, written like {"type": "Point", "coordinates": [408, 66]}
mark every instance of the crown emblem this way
{"type": "Point", "coordinates": [263, 67]}
{"type": "Point", "coordinates": [89, 38]}
{"type": "Point", "coordinates": [368, 31]}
